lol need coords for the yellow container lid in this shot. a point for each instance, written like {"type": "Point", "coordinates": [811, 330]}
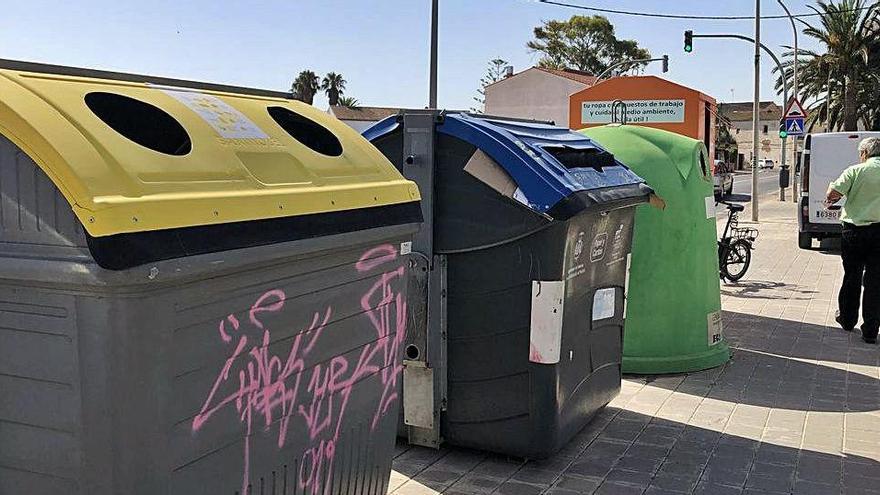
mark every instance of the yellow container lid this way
{"type": "Point", "coordinates": [135, 156]}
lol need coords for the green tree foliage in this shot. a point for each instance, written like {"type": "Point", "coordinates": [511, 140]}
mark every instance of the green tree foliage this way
{"type": "Point", "coordinates": [333, 86]}
{"type": "Point", "coordinates": [842, 84]}
{"type": "Point", "coordinates": [305, 86]}
{"type": "Point", "coordinates": [494, 73]}
{"type": "Point", "coordinates": [349, 101]}
{"type": "Point", "coordinates": [585, 43]}
{"type": "Point", "coordinates": [726, 147]}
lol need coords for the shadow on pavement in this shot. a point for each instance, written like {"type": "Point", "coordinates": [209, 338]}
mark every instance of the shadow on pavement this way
{"type": "Point", "coordinates": [772, 366]}
{"type": "Point", "coordinates": [752, 289]}
{"type": "Point", "coordinates": [624, 452]}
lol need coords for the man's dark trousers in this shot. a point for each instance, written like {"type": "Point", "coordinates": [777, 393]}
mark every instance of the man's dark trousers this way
{"type": "Point", "coordinates": [860, 250]}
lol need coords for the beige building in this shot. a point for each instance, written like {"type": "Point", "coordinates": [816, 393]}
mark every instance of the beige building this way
{"type": "Point", "coordinates": [360, 118]}
{"type": "Point", "coordinates": [739, 115]}
{"type": "Point", "coordinates": [536, 93]}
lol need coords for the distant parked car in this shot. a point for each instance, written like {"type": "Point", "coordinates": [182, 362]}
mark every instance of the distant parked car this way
{"type": "Point", "coordinates": [766, 163]}
{"type": "Point", "coordinates": [723, 179]}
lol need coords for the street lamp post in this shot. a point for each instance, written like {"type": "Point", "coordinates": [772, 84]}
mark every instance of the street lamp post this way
{"type": "Point", "coordinates": [794, 143]}
{"type": "Point", "coordinates": [432, 90]}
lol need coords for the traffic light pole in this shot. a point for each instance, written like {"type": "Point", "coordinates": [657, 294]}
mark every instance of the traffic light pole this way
{"type": "Point", "coordinates": [756, 117]}
{"type": "Point", "coordinates": [756, 110]}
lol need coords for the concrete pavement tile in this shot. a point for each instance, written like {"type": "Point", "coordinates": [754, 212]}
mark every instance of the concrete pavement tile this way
{"type": "Point", "coordinates": [497, 467]}
{"type": "Point", "coordinates": [653, 490]}
{"type": "Point", "coordinates": [772, 470]}
{"type": "Point", "coordinates": [476, 484]}
{"type": "Point", "coordinates": [415, 488]}
{"type": "Point", "coordinates": [560, 491]}
{"type": "Point", "coordinates": [630, 477]}
{"type": "Point", "coordinates": [647, 451]}
{"type": "Point", "coordinates": [605, 449]}
{"type": "Point", "coordinates": [612, 488]}
{"type": "Point", "coordinates": [671, 482]}
{"type": "Point", "coordinates": [578, 484]}
{"type": "Point", "coordinates": [516, 488]}
{"type": "Point", "coordinates": [860, 483]}
{"type": "Point", "coordinates": [721, 475]}
{"type": "Point", "coordinates": [769, 483]}
{"type": "Point", "coordinates": [639, 464]}
{"type": "Point", "coordinates": [866, 468]}
{"type": "Point", "coordinates": [594, 468]}
{"type": "Point", "coordinates": [802, 487]}
{"type": "Point", "coordinates": [704, 488]}
{"type": "Point", "coordinates": [535, 476]}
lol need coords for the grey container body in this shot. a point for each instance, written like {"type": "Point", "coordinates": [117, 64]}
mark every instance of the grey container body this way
{"type": "Point", "coordinates": [265, 370]}
{"type": "Point", "coordinates": [499, 398]}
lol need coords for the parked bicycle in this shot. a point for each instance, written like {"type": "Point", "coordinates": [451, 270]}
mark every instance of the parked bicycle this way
{"type": "Point", "coordinates": [735, 246]}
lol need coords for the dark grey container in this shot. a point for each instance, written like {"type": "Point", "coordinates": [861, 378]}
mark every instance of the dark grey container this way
{"type": "Point", "coordinates": [265, 369]}
{"type": "Point", "coordinates": [570, 263]}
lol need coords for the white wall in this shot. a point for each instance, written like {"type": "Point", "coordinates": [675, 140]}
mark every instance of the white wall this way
{"type": "Point", "coordinates": [532, 94]}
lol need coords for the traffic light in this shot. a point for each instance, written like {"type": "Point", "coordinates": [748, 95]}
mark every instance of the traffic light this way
{"type": "Point", "coordinates": [665, 63]}
{"type": "Point", "coordinates": [783, 132]}
{"type": "Point", "coordinates": [688, 41]}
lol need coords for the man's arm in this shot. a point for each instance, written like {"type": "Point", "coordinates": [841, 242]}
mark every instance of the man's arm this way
{"type": "Point", "coordinates": [832, 196]}
{"type": "Point", "coordinates": [839, 188]}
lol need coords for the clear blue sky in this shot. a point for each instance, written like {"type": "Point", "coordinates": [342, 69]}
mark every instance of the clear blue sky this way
{"type": "Point", "coordinates": [380, 46]}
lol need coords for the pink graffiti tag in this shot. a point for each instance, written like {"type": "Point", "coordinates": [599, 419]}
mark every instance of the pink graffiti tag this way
{"type": "Point", "coordinates": [273, 390]}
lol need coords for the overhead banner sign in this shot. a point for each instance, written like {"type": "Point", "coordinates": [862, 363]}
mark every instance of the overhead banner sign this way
{"type": "Point", "coordinates": [637, 112]}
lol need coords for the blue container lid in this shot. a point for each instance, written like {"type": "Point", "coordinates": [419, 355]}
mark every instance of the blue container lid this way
{"type": "Point", "coordinates": [549, 164]}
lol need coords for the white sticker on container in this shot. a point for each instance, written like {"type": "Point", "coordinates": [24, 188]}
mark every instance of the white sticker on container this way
{"type": "Point", "coordinates": [714, 325]}
{"type": "Point", "coordinates": [405, 248]}
{"type": "Point", "coordinates": [604, 303]}
{"type": "Point", "coordinates": [710, 207]}
{"type": "Point", "coordinates": [225, 119]}
{"type": "Point", "coordinates": [545, 331]}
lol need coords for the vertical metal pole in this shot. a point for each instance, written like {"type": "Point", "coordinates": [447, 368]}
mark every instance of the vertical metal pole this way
{"type": "Point", "coordinates": [432, 94]}
{"type": "Point", "coordinates": [756, 111]}
{"type": "Point", "coordinates": [783, 161]}
{"type": "Point", "coordinates": [794, 144]}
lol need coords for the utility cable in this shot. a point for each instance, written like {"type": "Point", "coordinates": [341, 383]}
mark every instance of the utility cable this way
{"type": "Point", "coordinates": [686, 16]}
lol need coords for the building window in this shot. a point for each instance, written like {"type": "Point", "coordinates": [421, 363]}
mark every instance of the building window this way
{"type": "Point", "coordinates": [737, 130]}
{"type": "Point", "coordinates": [765, 129]}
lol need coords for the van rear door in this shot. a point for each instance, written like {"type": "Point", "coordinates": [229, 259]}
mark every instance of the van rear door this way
{"type": "Point", "coordinates": [830, 154]}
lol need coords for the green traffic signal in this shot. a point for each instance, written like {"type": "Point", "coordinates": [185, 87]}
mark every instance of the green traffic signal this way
{"type": "Point", "coordinates": [783, 132]}
{"type": "Point", "coordinates": [688, 41]}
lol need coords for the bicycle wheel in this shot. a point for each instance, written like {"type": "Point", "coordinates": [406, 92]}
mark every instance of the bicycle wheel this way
{"type": "Point", "coordinates": [737, 261]}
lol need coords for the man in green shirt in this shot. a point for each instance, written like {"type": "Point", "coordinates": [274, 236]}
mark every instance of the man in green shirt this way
{"type": "Point", "coordinates": [860, 243]}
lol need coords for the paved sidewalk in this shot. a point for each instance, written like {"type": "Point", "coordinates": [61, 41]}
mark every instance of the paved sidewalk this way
{"type": "Point", "coordinates": [797, 409]}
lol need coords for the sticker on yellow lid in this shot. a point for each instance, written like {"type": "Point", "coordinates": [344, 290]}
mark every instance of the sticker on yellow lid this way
{"type": "Point", "coordinates": [223, 117]}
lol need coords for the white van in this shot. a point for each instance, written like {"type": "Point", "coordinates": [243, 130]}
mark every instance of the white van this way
{"type": "Point", "coordinates": [825, 157]}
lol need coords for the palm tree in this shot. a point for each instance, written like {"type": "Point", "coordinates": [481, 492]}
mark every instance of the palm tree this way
{"type": "Point", "coordinates": [349, 101]}
{"type": "Point", "coordinates": [333, 85]}
{"type": "Point", "coordinates": [305, 86]}
{"type": "Point", "coordinates": [842, 82]}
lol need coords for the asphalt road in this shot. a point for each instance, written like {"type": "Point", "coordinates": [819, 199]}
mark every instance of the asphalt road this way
{"type": "Point", "coordinates": [768, 182]}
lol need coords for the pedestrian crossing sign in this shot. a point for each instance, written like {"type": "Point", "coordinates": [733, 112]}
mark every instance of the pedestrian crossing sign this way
{"type": "Point", "coordinates": [794, 126]}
